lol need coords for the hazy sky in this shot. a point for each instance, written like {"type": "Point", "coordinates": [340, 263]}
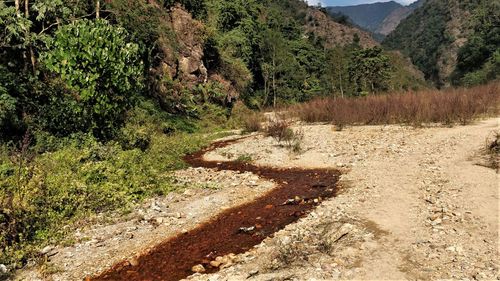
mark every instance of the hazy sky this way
{"type": "Point", "coordinates": [353, 2]}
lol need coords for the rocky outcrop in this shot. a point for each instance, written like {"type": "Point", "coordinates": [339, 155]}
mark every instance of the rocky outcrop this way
{"type": "Point", "coordinates": [333, 33]}
{"type": "Point", "coordinates": [189, 35]}
{"type": "Point", "coordinates": [393, 19]}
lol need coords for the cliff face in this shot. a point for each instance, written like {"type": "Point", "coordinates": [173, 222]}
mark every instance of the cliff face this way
{"type": "Point", "coordinates": [182, 57]}
{"type": "Point", "coordinates": [392, 20]}
{"type": "Point", "coordinates": [335, 33]}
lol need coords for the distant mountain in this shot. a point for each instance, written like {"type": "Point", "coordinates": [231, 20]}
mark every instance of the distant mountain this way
{"type": "Point", "coordinates": [379, 18]}
{"type": "Point", "coordinates": [452, 41]}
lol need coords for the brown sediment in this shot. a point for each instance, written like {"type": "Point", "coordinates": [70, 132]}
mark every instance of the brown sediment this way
{"type": "Point", "coordinates": [297, 192]}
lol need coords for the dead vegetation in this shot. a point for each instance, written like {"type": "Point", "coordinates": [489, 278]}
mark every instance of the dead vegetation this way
{"type": "Point", "coordinates": [447, 107]}
{"type": "Point", "coordinates": [493, 150]}
{"type": "Point", "coordinates": [281, 131]}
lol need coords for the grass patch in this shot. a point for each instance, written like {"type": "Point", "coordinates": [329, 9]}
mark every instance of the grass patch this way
{"type": "Point", "coordinates": [415, 108]}
{"type": "Point", "coordinates": [244, 158]}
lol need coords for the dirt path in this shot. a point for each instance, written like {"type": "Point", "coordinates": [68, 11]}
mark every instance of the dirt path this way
{"type": "Point", "coordinates": [416, 205]}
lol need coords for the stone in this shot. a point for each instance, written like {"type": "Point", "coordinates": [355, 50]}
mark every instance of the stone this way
{"type": "Point", "coordinates": [198, 268]}
{"type": "Point", "coordinates": [246, 229]}
{"type": "Point", "coordinates": [3, 269]}
{"type": "Point", "coordinates": [133, 261]}
{"type": "Point", "coordinates": [215, 263]}
{"type": "Point", "coordinates": [47, 249]}
{"type": "Point", "coordinates": [252, 273]}
{"type": "Point", "coordinates": [332, 235]}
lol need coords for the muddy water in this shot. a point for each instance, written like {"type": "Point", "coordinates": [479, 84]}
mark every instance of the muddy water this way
{"type": "Point", "coordinates": [235, 230]}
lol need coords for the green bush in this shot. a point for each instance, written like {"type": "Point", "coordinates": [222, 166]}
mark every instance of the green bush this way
{"type": "Point", "coordinates": [100, 68]}
{"type": "Point", "coordinates": [7, 110]}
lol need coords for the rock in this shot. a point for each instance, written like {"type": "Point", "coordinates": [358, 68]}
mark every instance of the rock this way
{"type": "Point", "coordinates": [246, 229]}
{"type": "Point", "coordinates": [252, 273]}
{"type": "Point", "coordinates": [226, 265]}
{"type": "Point", "coordinates": [215, 263]}
{"type": "Point", "coordinates": [47, 250]}
{"type": "Point", "coordinates": [436, 221]}
{"type": "Point", "coordinates": [333, 235]}
{"type": "Point", "coordinates": [133, 261]}
{"type": "Point", "coordinates": [198, 268]}
{"type": "Point", "coordinates": [155, 207]}
{"type": "Point", "coordinates": [3, 269]}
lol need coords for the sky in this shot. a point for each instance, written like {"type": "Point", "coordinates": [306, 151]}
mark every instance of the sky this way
{"type": "Point", "coordinates": [352, 2]}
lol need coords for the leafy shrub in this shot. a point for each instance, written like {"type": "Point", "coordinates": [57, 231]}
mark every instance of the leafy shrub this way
{"type": "Point", "coordinates": [100, 68]}
{"type": "Point", "coordinates": [7, 110]}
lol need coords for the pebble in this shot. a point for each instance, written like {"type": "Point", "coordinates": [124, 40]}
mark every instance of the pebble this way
{"type": "Point", "coordinates": [47, 249]}
{"type": "Point", "coordinates": [3, 269]}
{"type": "Point", "coordinates": [198, 268]}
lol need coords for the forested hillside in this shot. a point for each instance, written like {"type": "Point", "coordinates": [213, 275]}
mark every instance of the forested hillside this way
{"type": "Point", "coordinates": [452, 41]}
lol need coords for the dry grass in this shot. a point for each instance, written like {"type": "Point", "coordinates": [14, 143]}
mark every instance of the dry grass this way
{"type": "Point", "coordinates": [415, 108]}
{"type": "Point", "coordinates": [252, 122]}
{"type": "Point", "coordinates": [280, 130]}
{"type": "Point", "coordinates": [493, 150]}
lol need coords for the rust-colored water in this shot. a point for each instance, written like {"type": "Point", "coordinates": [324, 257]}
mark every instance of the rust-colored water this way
{"type": "Point", "coordinates": [173, 258]}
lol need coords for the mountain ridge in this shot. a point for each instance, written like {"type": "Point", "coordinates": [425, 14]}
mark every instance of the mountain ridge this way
{"type": "Point", "coordinates": [380, 18]}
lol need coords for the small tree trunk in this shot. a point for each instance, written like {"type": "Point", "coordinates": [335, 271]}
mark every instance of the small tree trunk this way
{"type": "Point", "coordinates": [31, 51]}
{"type": "Point", "coordinates": [274, 76]}
{"type": "Point", "coordinates": [341, 88]}
{"type": "Point", "coordinates": [97, 9]}
{"type": "Point", "coordinates": [26, 9]}
{"type": "Point", "coordinates": [265, 90]}
{"type": "Point", "coordinates": [18, 13]}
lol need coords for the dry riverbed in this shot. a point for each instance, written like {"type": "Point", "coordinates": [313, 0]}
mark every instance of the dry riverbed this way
{"type": "Point", "coordinates": [414, 204]}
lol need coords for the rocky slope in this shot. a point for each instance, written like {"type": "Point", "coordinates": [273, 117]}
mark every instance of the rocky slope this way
{"type": "Point", "coordinates": [335, 33]}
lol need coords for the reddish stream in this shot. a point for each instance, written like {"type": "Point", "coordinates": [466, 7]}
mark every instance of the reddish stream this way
{"type": "Point", "coordinates": [173, 258]}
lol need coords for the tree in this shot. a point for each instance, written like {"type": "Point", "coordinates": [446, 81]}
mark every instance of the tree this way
{"type": "Point", "coordinates": [337, 75]}
{"type": "Point", "coordinates": [369, 70]}
{"type": "Point", "coordinates": [100, 68]}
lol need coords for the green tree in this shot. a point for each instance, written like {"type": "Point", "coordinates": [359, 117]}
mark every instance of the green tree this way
{"type": "Point", "coordinates": [369, 70]}
{"type": "Point", "coordinates": [100, 68]}
{"type": "Point", "coordinates": [336, 70]}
